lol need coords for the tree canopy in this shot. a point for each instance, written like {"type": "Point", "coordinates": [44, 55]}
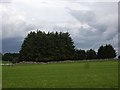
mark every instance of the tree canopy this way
{"type": "Point", "coordinates": [12, 57]}
{"type": "Point", "coordinates": [80, 54]}
{"type": "Point", "coordinates": [91, 54]}
{"type": "Point", "coordinates": [39, 46]}
{"type": "Point", "coordinates": [55, 46]}
{"type": "Point", "coordinates": [106, 52]}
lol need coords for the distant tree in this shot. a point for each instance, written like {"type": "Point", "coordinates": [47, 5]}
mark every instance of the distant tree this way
{"type": "Point", "coordinates": [119, 57]}
{"type": "Point", "coordinates": [7, 57]}
{"type": "Point", "coordinates": [41, 46]}
{"type": "Point", "coordinates": [106, 52]}
{"type": "Point", "coordinates": [80, 54]}
{"type": "Point", "coordinates": [15, 60]}
{"type": "Point", "coordinates": [10, 56]}
{"type": "Point", "coordinates": [100, 53]}
{"type": "Point", "coordinates": [54, 46]}
{"type": "Point", "coordinates": [1, 56]}
{"type": "Point", "coordinates": [91, 54]}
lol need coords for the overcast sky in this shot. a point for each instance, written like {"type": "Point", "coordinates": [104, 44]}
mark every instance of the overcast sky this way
{"type": "Point", "coordinates": [91, 24]}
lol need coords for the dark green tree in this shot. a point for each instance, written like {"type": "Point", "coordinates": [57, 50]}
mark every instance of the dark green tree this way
{"type": "Point", "coordinates": [100, 53]}
{"type": "Point", "coordinates": [10, 57]}
{"type": "Point", "coordinates": [91, 54]}
{"type": "Point", "coordinates": [80, 54]}
{"type": "Point", "coordinates": [28, 51]}
{"type": "Point", "coordinates": [106, 52]}
{"type": "Point", "coordinates": [1, 56]}
{"type": "Point", "coordinates": [41, 46]}
{"type": "Point", "coordinates": [119, 57]}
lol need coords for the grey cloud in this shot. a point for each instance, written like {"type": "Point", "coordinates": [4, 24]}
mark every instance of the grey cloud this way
{"type": "Point", "coordinates": [89, 18]}
{"type": "Point", "coordinates": [83, 16]}
{"type": "Point", "coordinates": [11, 45]}
{"type": "Point", "coordinates": [103, 34]}
{"type": "Point", "coordinates": [15, 30]}
{"type": "Point", "coordinates": [100, 31]}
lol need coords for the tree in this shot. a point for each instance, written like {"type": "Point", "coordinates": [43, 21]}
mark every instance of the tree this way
{"type": "Point", "coordinates": [10, 57]}
{"type": "Point", "coordinates": [106, 52]}
{"type": "Point", "coordinates": [15, 60]}
{"type": "Point", "coordinates": [80, 54]}
{"type": "Point", "coordinates": [100, 53]}
{"type": "Point", "coordinates": [41, 46]}
{"type": "Point", "coordinates": [91, 54]}
{"type": "Point", "coordinates": [119, 57]}
{"type": "Point", "coordinates": [1, 56]}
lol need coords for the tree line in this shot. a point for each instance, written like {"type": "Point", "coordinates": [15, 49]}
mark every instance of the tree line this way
{"type": "Point", "coordinates": [55, 46]}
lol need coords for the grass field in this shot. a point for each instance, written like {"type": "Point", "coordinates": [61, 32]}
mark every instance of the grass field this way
{"type": "Point", "coordinates": [84, 74]}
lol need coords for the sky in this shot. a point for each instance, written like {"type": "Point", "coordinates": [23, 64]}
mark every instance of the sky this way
{"type": "Point", "coordinates": [90, 23]}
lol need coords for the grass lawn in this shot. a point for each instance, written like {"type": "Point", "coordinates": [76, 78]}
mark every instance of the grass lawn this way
{"type": "Point", "coordinates": [82, 74]}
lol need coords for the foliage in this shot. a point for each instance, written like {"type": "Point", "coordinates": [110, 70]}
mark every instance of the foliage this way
{"type": "Point", "coordinates": [12, 57]}
{"type": "Point", "coordinates": [80, 54]}
{"type": "Point", "coordinates": [1, 56]}
{"type": "Point", "coordinates": [41, 46]}
{"type": "Point", "coordinates": [53, 46]}
{"type": "Point", "coordinates": [119, 57]}
{"type": "Point", "coordinates": [106, 52]}
{"type": "Point", "coordinates": [91, 54]}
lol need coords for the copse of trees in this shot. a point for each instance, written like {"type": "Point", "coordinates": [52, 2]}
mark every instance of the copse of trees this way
{"type": "Point", "coordinates": [53, 46]}
{"type": "Point", "coordinates": [12, 57]}
{"type": "Point", "coordinates": [119, 57]}
{"type": "Point", "coordinates": [80, 55]}
{"type": "Point", "coordinates": [91, 54]}
{"type": "Point", "coordinates": [106, 52]}
{"type": "Point", "coordinates": [0, 56]}
{"type": "Point", "coordinates": [41, 46]}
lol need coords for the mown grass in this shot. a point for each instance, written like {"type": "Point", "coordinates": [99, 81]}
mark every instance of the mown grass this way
{"type": "Point", "coordinates": [94, 74]}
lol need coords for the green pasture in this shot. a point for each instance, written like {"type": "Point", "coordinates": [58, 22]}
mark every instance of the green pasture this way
{"type": "Point", "coordinates": [81, 74]}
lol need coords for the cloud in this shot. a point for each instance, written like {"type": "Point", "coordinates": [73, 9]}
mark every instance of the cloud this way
{"type": "Point", "coordinates": [14, 24]}
{"type": "Point", "coordinates": [90, 24]}
{"type": "Point", "coordinates": [102, 28]}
